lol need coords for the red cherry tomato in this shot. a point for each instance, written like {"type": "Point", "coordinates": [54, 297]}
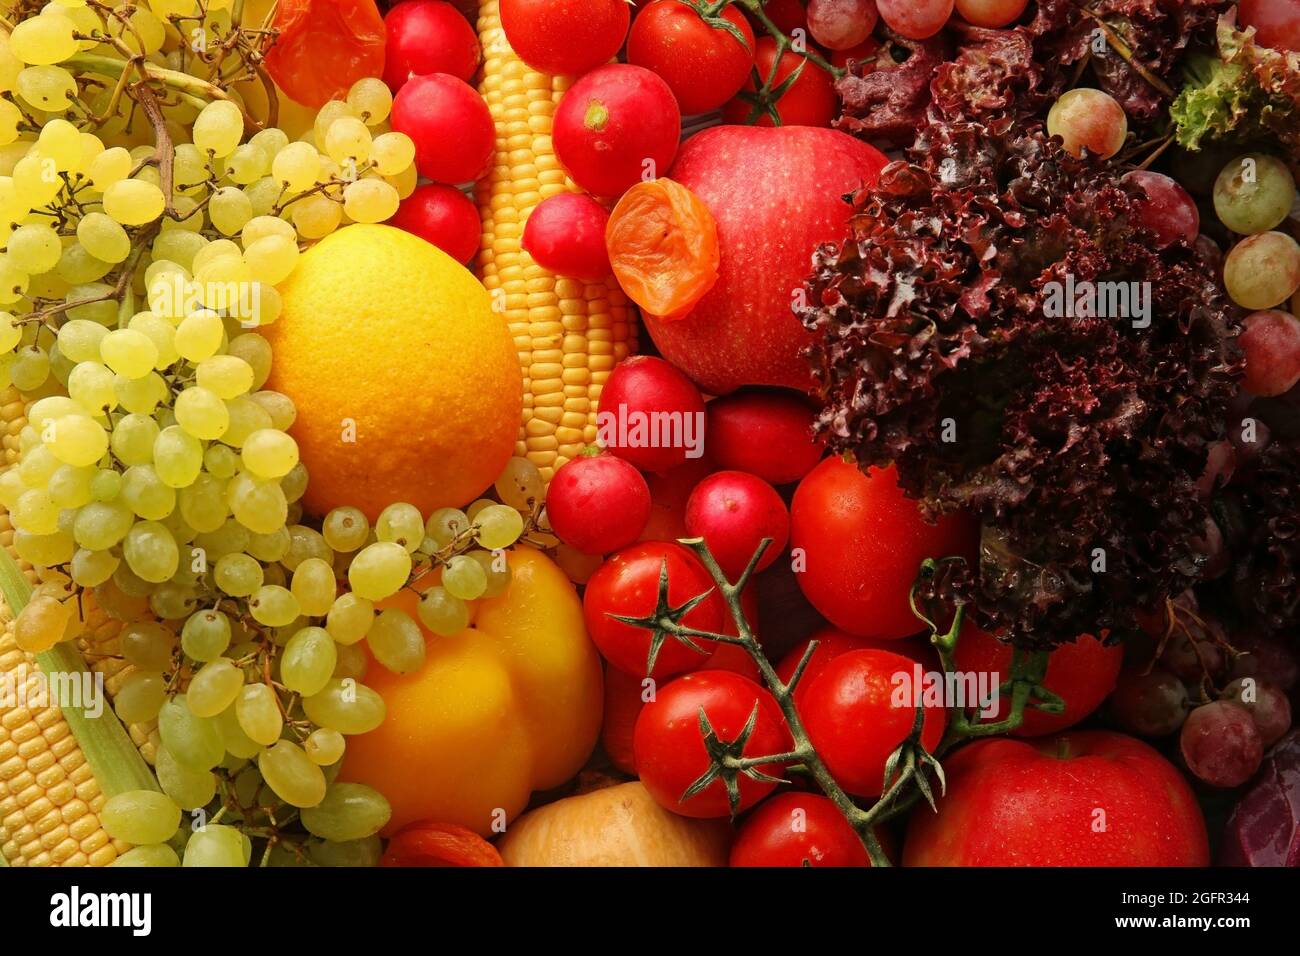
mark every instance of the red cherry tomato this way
{"type": "Point", "coordinates": [450, 124]}
{"type": "Point", "coordinates": [443, 216]}
{"type": "Point", "coordinates": [651, 414]}
{"type": "Point", "coordinates": [428, 36]}
{"type": "Point", "coordinates": [669, 745]}
{"type": "Point", "coordinates": [831, 643]}
{"type": "Point", "coordinates": [808, 101]}
{"type": "Point", "coordinates": [768, 434]}
{"type": "Point", "coordinates": [862, 541]}
{"type": "Point", "coordinates": [624, 693]}
{"type": "Point", "coordinates": [1083, 672]}
{"type": "Point", "coordinates": [617, 125]}
{"type": "Point", "coordinates": [566, 234]}
{"type": "Point", "coordinates": [565, 38]}
{"type": "Point", "coordinates": [627, 584]}
{"type": "Point", "coordinates": [703, 65]}
{"type": "Point", "coordinates": [598, 504]}
{"type": "Point", "coordinates": [323, 48]}
{"type": "Point", "coordinates": [733, 512]}
{"type": "Point", "coordinates": [797, 829]}
{"type": "Point", "coordinates": [856, 716]}
{"type": "Point", "coordinates": [623, 704]}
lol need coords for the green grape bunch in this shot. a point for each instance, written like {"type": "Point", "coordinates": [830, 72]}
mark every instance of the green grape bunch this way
{"type": "Point", "coordinates": [147, 217]}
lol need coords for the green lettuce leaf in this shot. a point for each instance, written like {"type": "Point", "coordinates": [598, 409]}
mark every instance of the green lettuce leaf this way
{"type": "Point", "coordinates": [1276, 74]}
{"type": "Point", "coordinates": [1219, 100]}
{"type": "Point", "coordinates": [1244, 92]}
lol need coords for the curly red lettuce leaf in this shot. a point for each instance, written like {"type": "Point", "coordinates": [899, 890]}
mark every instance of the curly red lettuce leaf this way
{"type": "Point", "coordinates": [887, 106]}
{"type": "Point", "coordinates": [1078, 442]}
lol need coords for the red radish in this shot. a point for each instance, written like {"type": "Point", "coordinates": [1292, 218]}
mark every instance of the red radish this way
{"type": "Point", "coordinates": [441, 215]}
{"type": "Point", "coordinates": [651, 414]}
{"type": "Point", "coordinates": [428, 36]}
{"type": "Point", "coordinates": [566, 234]}
{"type": "Point", "coordinates": [598, 504]}
{"type": "Point", "coordinates": [618, 124]}
{"type": "Point", "coordinates": [768, 434]}
{"type": "Point", "coordinates": [450, 124]}
{"type": "Point", "coordinates": [734, 511]}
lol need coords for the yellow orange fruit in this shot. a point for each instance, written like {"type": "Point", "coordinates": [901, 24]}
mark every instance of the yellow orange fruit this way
{"type": "Point", "coordinates": [406, 381]}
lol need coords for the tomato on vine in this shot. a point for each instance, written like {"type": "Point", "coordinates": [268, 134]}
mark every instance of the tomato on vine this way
{"type": "Point", "coordinates": [704, 713]}
{"type": "Point", "coordinates": [797, 829]}
{"type": "Point", "coordinates": [704, 63]}
{"type": "Point", "coordinates": [792, 92]}
{"type": "Point", "coordinates": [855, 720]}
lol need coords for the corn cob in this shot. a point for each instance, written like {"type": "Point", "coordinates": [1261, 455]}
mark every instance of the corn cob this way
{"type": "Point", "coordinates": [570, 334]}
{"type": "Point", "coordinates": [49, 797]}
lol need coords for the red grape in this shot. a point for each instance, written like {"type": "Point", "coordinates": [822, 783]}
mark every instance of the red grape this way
{"type": "Point", "coordinates": [1278, 22]}
{"type": "Point", "coordinates": [1168, 209]}
{"type": "Point", "coordinates": [1192, 658]}
{"type": "Point", "coordinates": [841, 24]}
{"type": "Point", "coordinates": [1267, 705]}
{"type": "Point", "coordinates": [991, 13]}
{"type": "Point", "coordinates": [1150, 704]}
{"type": "Point", "coordinates": [443, 216]}
{"type": "Point", "coordinates": [1265, 658]}
{"type": "Point", "coordinates": [1219, 465]}
{"type": "Point", "coordinates": [1221, 744]}
{"type": "Point", "coordinates": [566, 234]}
{"type": "Point", "coordinates": [1089, 118]}
{"type": "Point", "coordinates": [915, 19]}
{"type": "Point", "coordinates": [1271, 341]}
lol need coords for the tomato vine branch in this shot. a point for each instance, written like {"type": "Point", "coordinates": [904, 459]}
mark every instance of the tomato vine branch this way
{"type": "Point", "coordinates": [908, 769]}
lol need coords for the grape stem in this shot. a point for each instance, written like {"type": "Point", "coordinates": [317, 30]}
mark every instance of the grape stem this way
{"type": "Point", "coordinates": [1125, 52]}
{"type": "Point", "coordinates": [803, 750]}
{"type": "Point", "coordinates": [198, 93]}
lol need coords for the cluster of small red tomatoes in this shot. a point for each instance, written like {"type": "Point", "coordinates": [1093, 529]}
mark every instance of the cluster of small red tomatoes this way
{"type": "Point", "coordinates": [854, 542]}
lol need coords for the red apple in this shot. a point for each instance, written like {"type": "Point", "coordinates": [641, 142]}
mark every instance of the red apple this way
{"type": "Point", "coordinates": [775, 194]}
{"type": "Point", "coordinates": [1087, 798]}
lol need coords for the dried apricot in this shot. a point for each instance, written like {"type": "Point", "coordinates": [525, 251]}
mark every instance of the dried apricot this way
{"type": "Point", "coordinates": [663, 247]}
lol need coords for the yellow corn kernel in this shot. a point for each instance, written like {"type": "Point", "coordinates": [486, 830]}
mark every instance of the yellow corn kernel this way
{"type": "Point", "coordinates": [569, 333]}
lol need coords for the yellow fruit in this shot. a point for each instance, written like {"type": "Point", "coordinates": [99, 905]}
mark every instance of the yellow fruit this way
{"type": "Point", "coordinates": [406, 381]}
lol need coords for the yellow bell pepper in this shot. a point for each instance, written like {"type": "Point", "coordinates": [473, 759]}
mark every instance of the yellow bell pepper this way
{"type": "Point", "coordinates": [510, 705]}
